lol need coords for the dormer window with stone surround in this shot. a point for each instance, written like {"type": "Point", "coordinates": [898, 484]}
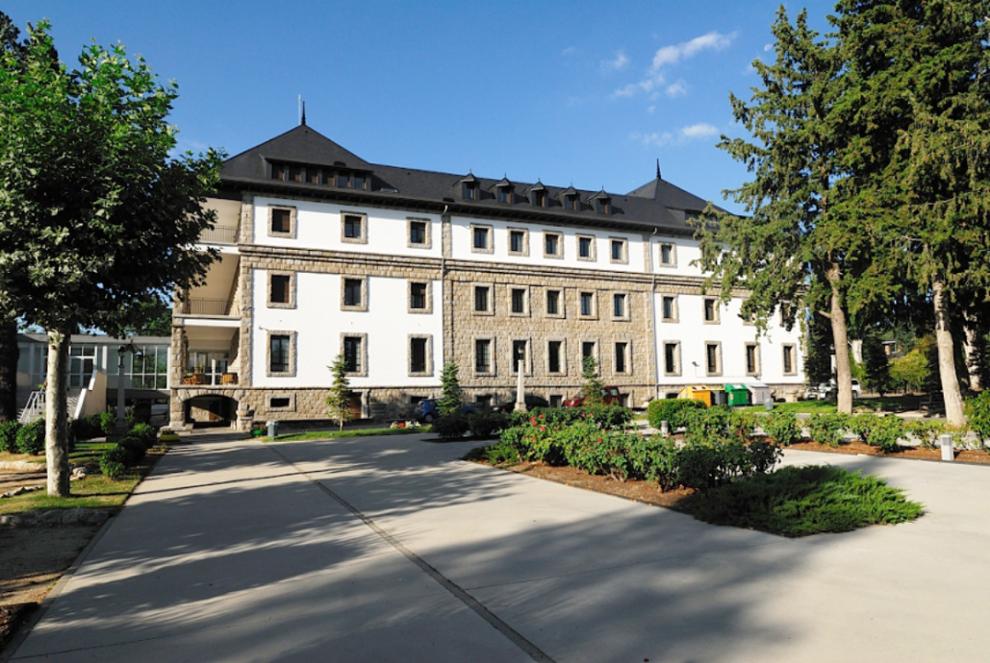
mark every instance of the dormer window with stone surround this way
{"type": "Point", "coordinates": [503, 192]}
{"type": "Point", "coordinates": [538, 195]}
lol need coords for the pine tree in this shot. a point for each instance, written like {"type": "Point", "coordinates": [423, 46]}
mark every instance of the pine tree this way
{"type": "Point", "coordinates": [339, 398]}
{"type": "Point", "coordinates": [592, 389]}
{"type": "Point", "coordinates": [818, 353]}
{"type": "Point", "coordinates": [451, 396]}
{"type": "Point", "coordinates": [876, 368]}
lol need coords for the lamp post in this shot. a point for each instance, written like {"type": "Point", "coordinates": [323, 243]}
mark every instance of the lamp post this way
{"type": "Point", "coordinates": [120, 425]}
{"type": "Point", "coordinates": [520, 405]}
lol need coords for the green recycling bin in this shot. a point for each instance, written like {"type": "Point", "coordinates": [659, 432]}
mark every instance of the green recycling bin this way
{"type": "Point", "coordinates": [736, 394]}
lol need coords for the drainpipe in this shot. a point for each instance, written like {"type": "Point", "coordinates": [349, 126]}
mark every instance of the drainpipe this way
{"type": "Point", "coordinates": [653, 319]}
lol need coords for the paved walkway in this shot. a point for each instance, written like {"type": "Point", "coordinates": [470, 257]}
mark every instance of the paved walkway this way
{"type": "Point", "coordinates": [389, 549]}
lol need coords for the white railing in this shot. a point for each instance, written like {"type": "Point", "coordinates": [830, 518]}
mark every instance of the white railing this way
{"type": "Point", "coordinates": [219, 235]}
{"type": "Point", "coordinates": [34, 409]}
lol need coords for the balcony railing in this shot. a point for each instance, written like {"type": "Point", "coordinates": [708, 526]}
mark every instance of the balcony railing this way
{"type": "Point", "coordinates": [200, 306]}
{"type": "Point", "coordinates": [209, 378]}
{"type": "Point", "coordinates": [220, 235]}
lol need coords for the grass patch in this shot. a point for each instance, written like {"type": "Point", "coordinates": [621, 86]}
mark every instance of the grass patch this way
{"type": "Point", "coordinates": [799, 407]}
{"type": "Point", "coordinates": [94, 491]}
{"type": "Point", "coordinates": [799, 501]}
{"type": "Point", "coordinates": [335, 434]}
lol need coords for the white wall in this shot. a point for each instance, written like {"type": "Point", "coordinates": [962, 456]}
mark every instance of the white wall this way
{"type": "Point", "coordinates": [319, 322]}
{"type": "Point", "coordinates": [692, 332]}
{"type": "Point", "coordinates": [318, 226]}
{"type": "Point", "coordinates": [462, 243]}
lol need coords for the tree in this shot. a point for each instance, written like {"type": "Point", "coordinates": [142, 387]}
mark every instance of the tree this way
{"type": "Point", "coordinates": [818, 355]}
{"type": "Point", "coordinates": [910, 371]}
{"type": "Point", "coordinates": [592, 389]}
{"type": "Point", "coordinates": [451, 396]}
{"type": "Point", "coordinates": [918, 71]}
{"type": "Point", "coordinates": [876, 368]}
{"type": "Point", "coordinates": [798, 245]}
{"type": "Point", "coordinates": [95, 213]}
{"type": "Point", "coordinates": [339, 398]}
{"type": "Point", "coordinates": [150, 317]}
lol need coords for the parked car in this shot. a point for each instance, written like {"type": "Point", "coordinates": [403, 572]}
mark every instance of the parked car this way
{"type": "Point", "coordinates": [610, 396]}
{"type": "Point", "coordinates": [830, 390]}
{"type": "Point", "coordinates": [531, 401]}
{"type": "Point", "coordinates": [427, 411]}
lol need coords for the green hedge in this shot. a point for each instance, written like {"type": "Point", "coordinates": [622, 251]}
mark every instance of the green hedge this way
{"type": "Point", "coordinates": [675, 411]}
{"type": "Point", "coordinates": [604, 416]}
{"type": "Point", "coordinates": [782, 427]}
{"type": "Point", "coordinates": [8, 436]}
{"type": "Point", "coordinates": [978, 414]}
{"type": "Point", "coordinates": [31, 438]}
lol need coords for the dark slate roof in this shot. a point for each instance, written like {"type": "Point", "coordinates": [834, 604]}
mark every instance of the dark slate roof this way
{"type": "Point", "coordinates": [657, 204]}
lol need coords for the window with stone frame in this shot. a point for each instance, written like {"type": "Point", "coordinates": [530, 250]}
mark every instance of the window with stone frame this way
{"type": "Point", "coordinates": [621, 357]}
{"type": "Point", "coordinates": [586, 304]}
{"type": "Point", "coordinates": [554, 299]}
{"type": "Point", "coordinates": [672, 358]}
{"type": "Point", "coordinates": [668, 255]}
{"type": "Point", "coordinates": [354, 227]}
{"type": "Point", "coordinates": [353, 350]}
{"type": "Point", "coordinates": [586, 247]}
{"type": "Point", "coordinates": [752, 359]}
{"type": "Point", "coordinates": [619, 250]}
{"type": "Point", "coordinates": [353, 293]}
{"type": "Point", "coordinates": [553, 245]}
{"type": "Point", "coordinates": [668, 308]}
{"type": "Point", "coordinates": [482, 299]}
{"type": "Point", "coordinates": [520, 353]}
{"type": "Point", "coordinates": [518, 304]}
{"type": "Point", "coordinates": [483, 356]}
{"type": "Point", "coordinates": [620, 306]}
{"type": "Point", "coordinates": [279, 290]}
{"type": "Point", "coordinates": [713, 358]}
{"type": "Point", "coordinates": [419, 233]}
{"type": "Point", "coordinates": [555, 357]}
{"type": "Point", "coordinates": [418, 296]}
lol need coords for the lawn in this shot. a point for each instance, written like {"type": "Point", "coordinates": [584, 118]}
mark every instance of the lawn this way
{"type": "Point", "coordinates": [93, 491]}
{"type": "Point", "coordinates": [798, 501]}
{"type": "Point", "coordinates": [335, 434]}
{"type": "Point", "coordinates": [799, 407]}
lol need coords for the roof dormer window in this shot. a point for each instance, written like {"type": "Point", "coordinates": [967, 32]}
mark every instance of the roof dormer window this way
{"type": "Point", "coordinates": [503, 191]}
{"type": "Point", "coordinates": [538, 195]}
{"type": "Point", "coordinates": [602, 202]}
{"type": "Point", "coordinates": [469, 187]}
{"type": "Point", "coordinates": [570, 199]}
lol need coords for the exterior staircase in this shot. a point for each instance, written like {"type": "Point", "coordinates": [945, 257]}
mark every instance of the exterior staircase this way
{"type": "Point", "coordinates": [35, 407]}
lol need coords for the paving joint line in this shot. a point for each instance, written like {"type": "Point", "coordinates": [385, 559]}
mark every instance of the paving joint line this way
{"type": "Point", "coordinates": [458, 592]}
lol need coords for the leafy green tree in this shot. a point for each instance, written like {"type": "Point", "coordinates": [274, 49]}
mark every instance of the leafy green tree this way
{"type": "Point", "coordinates": [451, 396]}
{"type": "Point", "coordinates": [910, 371]}
{"type": "Point", "coordinates": [798, 243]}
{"type": "Point", "coordinates": [95, 212]}
{"type": "Point", "coordinates": [592, 389]}
{"type": "Point", "coordinates": [150, 317]}
{"type": "Point", "coordinates": [919, 108]}
{"type": "Point", "coordinates": [876, 367]}
{"type": "Point", "coordinates": [818, 354]}
{"type": "Point", "coordinates": [339, 398]}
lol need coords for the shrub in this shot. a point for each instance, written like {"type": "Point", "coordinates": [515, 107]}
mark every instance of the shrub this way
{"type": "Point", "coordinates": [486, 424]}
{"type": "Point", "coordinates": [742, 424]}
{"type": "Point", "coordinates": [978, 412]}
{"type": "Point", "coordinates": [8, 436]}
{"type": "Point", "coordinates": [31, 437]}
{"type": "Point", "coordinates": [143, 432]}
{"type": "Point", "coordinates": [884, 432]}
{"type": "Point", "coordinates": [608, 416]}
{"type": "Point", "coordinates": [169, 438]}
{"type": "Point", "coordinates": [860, 424]}
{"type": "Point", "coordinates": [709, 424]}
{"type": "Point", "coordinates": [704, 466]}
{"type": "Point", "coordinates": [500, 453]}
{"type": "Point", "coordinates": [653, 459]}
{"type": "Point", "coordinates": [672, 410]}
{"type": "Point", "coordinates": [926, 431]}
{"type": "Point", "coordinates": [112, 463]}
{"type": "Point", "coordinates": [451, 426]}
{"type": "Point", "coordinates": [134, 449]}
{"type": "Point", "coordinates": [107, 421]}
{"type": "Point", "coordinates": [551, 416]}
{"type": "Point", "coordinates": [798, 501]}
{"type": "Point", "coordinates": [87, 428]}
{"type": "Point", "coordinates": [827, 428]}
{"type": "Point", "coordinates": [781, 427]}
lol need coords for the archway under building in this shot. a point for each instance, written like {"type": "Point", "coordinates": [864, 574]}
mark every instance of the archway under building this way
{"type": "Point", "coordinates": [209, 411]}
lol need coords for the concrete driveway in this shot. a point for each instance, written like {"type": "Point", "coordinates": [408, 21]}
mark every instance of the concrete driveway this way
{"type": "Point", "coordinates": [390, 549]}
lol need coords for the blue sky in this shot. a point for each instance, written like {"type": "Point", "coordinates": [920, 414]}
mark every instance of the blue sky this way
{"type": "Point", "coordinates": [588, 94]}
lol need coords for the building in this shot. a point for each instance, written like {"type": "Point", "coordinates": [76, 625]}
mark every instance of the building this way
{"type": "Point", "coordinates": [93, 373]}
{"type": "Point", "coordinates": [400, 270]}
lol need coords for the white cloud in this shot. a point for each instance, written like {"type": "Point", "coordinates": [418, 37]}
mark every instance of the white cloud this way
{"type": "Point", "coordinates": [676, 89]}
{"type": "Point", "coordinates": [699, 130]}
{"type": "Point", "coordinates": [570, 50]}
{"type": "Point", "coordinates": [691, 132]}
{"type": "Point", "coordinates": [646, 85]}
{"type": "Point", "coordinates": [674, 53]}
{"type": "Point", "coordinates": [617, 63]}
{"type": "Point", "coordinates": [767, 47]}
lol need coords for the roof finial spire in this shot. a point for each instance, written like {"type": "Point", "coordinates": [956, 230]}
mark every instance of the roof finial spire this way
{"type": "Point", "coordinates": [302, 110]}
{"type": "Point", "coordinates": [658, 168]}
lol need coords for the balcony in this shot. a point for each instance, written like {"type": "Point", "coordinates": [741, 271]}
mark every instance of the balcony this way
{"type": "Point", "coordinates": [205, 306]}
{"type": "Point", "coordinates": [209, 378]}
{"type": "Point", "coordinates": [219, 235]}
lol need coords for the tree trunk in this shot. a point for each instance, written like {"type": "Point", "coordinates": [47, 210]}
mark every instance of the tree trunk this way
{"type": "Point", "coordinates": [840, 341]}
{"type": "Point", "coordinates": [8, 369]}
{"type": "Point", "coordinates": [974, 354]}
{"type": "Point", "coordinates": [951, 393]}
{"type": "Point", "coordinates": [56, 439]}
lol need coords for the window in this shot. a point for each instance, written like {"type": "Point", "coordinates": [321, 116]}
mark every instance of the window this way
{"type": "Point", "coordinates": [504, 194]}
{"type": "Point", "coordinates": [343, 180]}
{"type": "Point", "coordinates": [539, 198]}
{"type": "Point", "coordinates": [671, 358]}
{"type": "Point", "coordinates": [603, 205]}
{"type": "Point", "coordinates": [553, 303]}
{"type": "Point", "coordinates": [469, 191]}
{"type": "Point", "coordinates": [482, 299]}
{"type": "Point", "coordinates": [555, 362]}
{"type": "Point", "coordinates": [588, 349]}
{"type": "Point", "coordinates": [354, 228]}
{"type": "Point", "coordinates": [149, 366]}
{"type": "Point", "coordinates": [483, 356]}
{"type": "Point", "coordinates": [520, 353]}
{"type": "Point", "coordinates": [354, 354]}
{"type": "Point", "coordinates": [586, 247]}
{"type": "Point", "coordinates": [419, 356]}
{"type": "Point", "coordinates": [279, 403]}
{"type": "Point", "coordinates": [667, 256]}
{"type": "Point", "coordinates": [669, 308]}
{"type": "Point", "coordinates": [481, 239]}
{"type": "Point", "coordinates": [280, 291]}
{"type": "Point", "coordinates": [353, 294]}
{"type": "Point", "coordinates": [484, 401]}
{"type": "Point", "coordinates": [518, 242]}
{"type": "Point", "coordinates": [296, 174]}
{"type": "Point", "coordinates": [282, 222]}
{"type": "Point", "coordinates": [280, 354]}
{"type": "Point", "coordinates": [619, 251]}
{"type": "Point", "coordinates": [622, 357]}
{"type": "Point", "coordinates": [713, 358]}
{"type": "Point", "coordinates": [571, 202]}
{"type": "Point", "coordinates": [587, 304]}
{"type": "Point", "coordinates": [419, 298]}
{"type": "Point", "coordinates": [357, 181]}
{"type": "Point", "coordinates": [82, 363]}
{"type": "Point", "coordinates": [619, 309]}
{"type": "Point", "coordinates": [279, 171]}
{"type": "Point", "coordinates": [517, 301]}
{"type": "Point", "coordinates": [553, 245]}
{"type": "Point", "coordinates": [786, 315]}
{"type": "Point", "coordinates": [752, 359]}
{"type": "Point", "coordinates": [314, 175]}
{"type": "Point", "coordinates": [419, 233]}
{"type": "Point", "coordinates": [711, 309]}
{"type": "Point", "coordinates": [789, 360]}
{"type": "Point", "coordinates": [556, 400]}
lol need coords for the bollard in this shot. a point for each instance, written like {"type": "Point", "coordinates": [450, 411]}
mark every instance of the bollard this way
{"type": "Point", "coordinates": [768, 404]}
{"type": "Point", "coordinates": [272, 429]}
{"type": "Point", "coordinates": [664, 428]}
{"type": "Point", "coordinates": [945, 442]}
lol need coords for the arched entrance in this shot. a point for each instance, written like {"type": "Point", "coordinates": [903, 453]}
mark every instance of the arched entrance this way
{"type": "Point", "coordinates": [209, 410]}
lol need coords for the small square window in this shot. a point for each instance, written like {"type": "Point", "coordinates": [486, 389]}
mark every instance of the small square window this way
{"type": "Point", "coordinates": [668, 257]}
{"type": "Point", "coordinates": [518, 242]}
{"type": "Point", "coordinates": [281, 222]}
{"type": "Point", "coordinates": [586, 304]}
{"type": "Point", "coordinates": [668, 306]}
{"type": "Point", "coordinates": [618, 251]}
{"type": "Point", "coordinates": [279, 171]}
{"type": "Point", "coordinates": [482, 299]}
{"type": "Point", "coordinates": [481, 239]}
{"type": "Point", "coordinates": [343, 180]}
{"type": "Point", "coordinates": [354, 228]}
{"type": "Point", "coordinates": [419, 233]}
{"type": "Point", "coordinates": [418, 296]}
{"type": "Point", "coordinates": [353, 294]}
{"type": "Point", "coordinates": [586, 247]}
{"type": "Point", "coordinates": [504, 194]}
{"type": "Point", "coordinates": [517, 301]}
{"type": "Point", "coordinates": [553, 245]}
{"type": "Point", "coordinates": [357, 181]}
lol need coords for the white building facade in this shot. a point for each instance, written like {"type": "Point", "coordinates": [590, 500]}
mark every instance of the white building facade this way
{"type": "Point", "coordinates": [400, 270]}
